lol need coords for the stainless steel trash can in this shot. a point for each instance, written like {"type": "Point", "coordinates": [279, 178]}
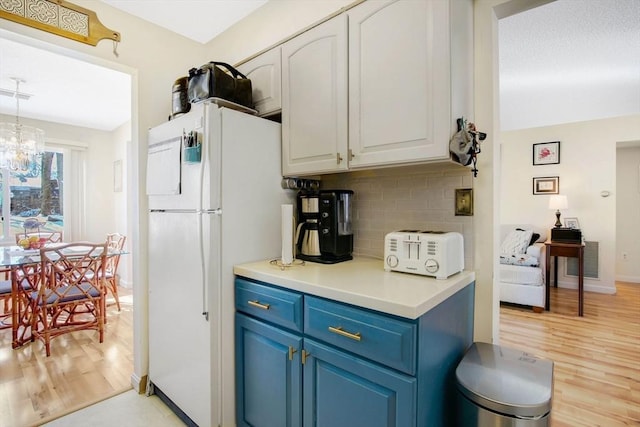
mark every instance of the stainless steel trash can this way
{"type": "Point", "coordinates": [502, 387]}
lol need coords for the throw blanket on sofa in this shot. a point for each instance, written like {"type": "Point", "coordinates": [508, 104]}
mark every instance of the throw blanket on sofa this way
{"type": "Point", "coordinates": [519, 259]}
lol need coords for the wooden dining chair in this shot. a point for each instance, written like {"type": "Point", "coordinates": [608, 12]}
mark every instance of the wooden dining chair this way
{"type": "Point", "coordinates": [115, 242]}
{"type": "Point", "coordinates": [26, 278]}
{"type": "Point", "coordinates": [71, 292]}
{"type": "Point", "coordinates": [5, 297]}
{"type": "Point", "coordinates": [5, 294]}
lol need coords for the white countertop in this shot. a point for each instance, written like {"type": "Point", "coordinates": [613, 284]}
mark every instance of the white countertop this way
{"type": "Point", "coordinates": [361, 282]}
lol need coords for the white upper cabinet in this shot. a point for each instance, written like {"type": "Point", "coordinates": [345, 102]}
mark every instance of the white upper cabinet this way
{"type": "Point", "coordinates": [314, 100]}
{"type": "Point", "coordinates": [400, 87]}
{"type": "Point", "coordinates": [264, 71]}
{"type": "Point", "coordinates": [385, 91]}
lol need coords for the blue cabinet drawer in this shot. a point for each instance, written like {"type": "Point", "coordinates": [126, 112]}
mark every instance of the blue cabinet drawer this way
{"type": "Point", "coordinates": [386, 340]}
{"type": "Point", "coordinates": [277, 306]}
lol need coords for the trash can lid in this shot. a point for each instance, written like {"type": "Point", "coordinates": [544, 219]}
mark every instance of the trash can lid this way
{"type": "Point", "coordinates": [505, 380]}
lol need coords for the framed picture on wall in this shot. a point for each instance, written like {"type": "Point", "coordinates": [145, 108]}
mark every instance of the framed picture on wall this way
{"type": "Point", "coordinates": [546, 153]}
{"type": "Point", "coordinates": [546, 185]}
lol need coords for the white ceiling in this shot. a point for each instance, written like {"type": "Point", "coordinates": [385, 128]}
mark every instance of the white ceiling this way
{"type": "Point", "coordinates": [596, 42]}
{"type": "Point", "coordinates": [199, 20]}
{"type": "Point", "coordinates": [64, 90]}
{"type": "Point", "coordinates": [569, 61]}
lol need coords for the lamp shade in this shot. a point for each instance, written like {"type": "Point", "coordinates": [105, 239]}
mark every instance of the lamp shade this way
{"type": "Point", "coordinates": [558, 202]}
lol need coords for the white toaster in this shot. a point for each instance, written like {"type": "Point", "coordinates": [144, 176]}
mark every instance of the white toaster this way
{"type": "Point", "coordinates": [430, 253]}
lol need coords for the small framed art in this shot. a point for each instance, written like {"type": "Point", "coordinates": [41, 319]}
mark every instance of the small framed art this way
{"type": "Point", "coordinates": [572, 223]}
{"type": "Point", "coordinates": [546, 153]}
{"type": "Point", "coordinates": [546, 185]}
{"type": "Point", "coordinates": [464, 201]}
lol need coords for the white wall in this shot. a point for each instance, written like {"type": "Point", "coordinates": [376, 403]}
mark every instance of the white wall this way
{"type": "Point", "coordinates": [587, 167]}
{"type": "Point", "coordinates": [628, 213]}
{"type": "Point", "coordinates": [121, 146]}
{"type": "Point", "coordinates": [485, 192]}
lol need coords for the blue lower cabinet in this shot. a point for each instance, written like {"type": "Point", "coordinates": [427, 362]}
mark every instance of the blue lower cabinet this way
{"type": "Point", "coordinates": [341, 390]}
{"type": "Point", "coordinates": [268, 375]}
{"type": "Point", "coordinates": [348, 366]}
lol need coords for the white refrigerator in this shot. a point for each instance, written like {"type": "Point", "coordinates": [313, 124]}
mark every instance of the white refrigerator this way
{"type": "Point", "coordinates": [205, 215]}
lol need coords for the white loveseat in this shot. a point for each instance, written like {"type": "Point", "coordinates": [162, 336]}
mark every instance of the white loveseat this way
{"type": "Point", "coordinates": [521, 273]}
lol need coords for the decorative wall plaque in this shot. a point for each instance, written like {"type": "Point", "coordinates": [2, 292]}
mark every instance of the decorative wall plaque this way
{"type": "Point", "coordinates": [58, 17]}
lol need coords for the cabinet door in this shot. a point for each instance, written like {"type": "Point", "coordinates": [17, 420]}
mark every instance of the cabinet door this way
{"type": "Point", "coordinates": [268, 375]}
{"type": "Point", "coordinates": [314, 100]}
{"type": "Point", "coordinates": [264, 72]}
{"type": "Point", "coordinates": [341, 390]}
{"type": "Point", "coordinates": [399, 82]}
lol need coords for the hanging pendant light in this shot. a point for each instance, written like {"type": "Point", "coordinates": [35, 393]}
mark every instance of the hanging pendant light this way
{"type": "Point", "coordinates": [21, 146]}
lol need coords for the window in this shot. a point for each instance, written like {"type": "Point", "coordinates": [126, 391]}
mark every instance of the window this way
{"type": "Point", "coordinates": [36, 192]}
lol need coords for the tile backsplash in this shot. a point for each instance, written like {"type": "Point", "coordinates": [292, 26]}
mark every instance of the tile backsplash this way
{"type": "Point", "coordinates": [410, 197]}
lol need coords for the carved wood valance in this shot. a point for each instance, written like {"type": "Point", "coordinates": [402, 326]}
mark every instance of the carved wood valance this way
{"type": "Point", "coordinates": [58, 17]}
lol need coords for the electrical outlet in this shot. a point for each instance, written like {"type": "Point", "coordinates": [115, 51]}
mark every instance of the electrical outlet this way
{"type": "Point", "coordinates": [625, 256]}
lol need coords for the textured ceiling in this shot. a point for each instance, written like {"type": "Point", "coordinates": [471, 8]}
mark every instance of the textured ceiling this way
{"type": "Point", "coordinates": [569, 60]}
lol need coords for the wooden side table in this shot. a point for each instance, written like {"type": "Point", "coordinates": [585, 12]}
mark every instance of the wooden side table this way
{"type": "Point", "coordinates": [569, 250]}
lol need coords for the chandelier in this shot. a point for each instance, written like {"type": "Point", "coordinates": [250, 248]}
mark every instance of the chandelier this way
{"type": "Point", "coordinates": [21, 146]}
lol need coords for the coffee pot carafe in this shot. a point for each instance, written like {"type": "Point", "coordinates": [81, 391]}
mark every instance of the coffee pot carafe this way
{"type": "Point", "coordinates": [307, 237]}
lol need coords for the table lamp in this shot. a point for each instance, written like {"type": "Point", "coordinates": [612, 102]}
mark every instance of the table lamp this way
{"type": "Point", "coordinates": [558, 202]}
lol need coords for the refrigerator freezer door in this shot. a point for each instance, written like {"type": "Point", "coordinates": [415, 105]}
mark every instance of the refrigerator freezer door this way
{"type": "Point", "coordinates": [180, 336]}
{"type": "Point", "coordinates": [162, 167]}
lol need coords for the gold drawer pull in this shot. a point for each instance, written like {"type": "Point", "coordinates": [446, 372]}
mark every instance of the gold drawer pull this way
{"type": "Point", "coordinates": [338, 330]}
{"type": "Point", "coordinates": [258, 305]}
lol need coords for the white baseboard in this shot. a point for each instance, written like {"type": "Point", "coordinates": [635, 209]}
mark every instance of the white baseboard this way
{"type": "Point", "coordinates": [139, 384]}
{"type": "Point", "coordinates": [590, 287]}
{"type": "Point", "coordinates": [630, 279]}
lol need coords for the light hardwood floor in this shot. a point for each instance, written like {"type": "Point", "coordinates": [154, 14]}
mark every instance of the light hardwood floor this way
{"type": "Point", "coordinates": [80, 371]}
{"type": "Point", "coordinates": [597, 361]}
{"type": "Point", "coordinates": [597, 357]}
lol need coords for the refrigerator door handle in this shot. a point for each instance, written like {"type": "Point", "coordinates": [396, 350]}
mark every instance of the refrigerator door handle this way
{"type": "Point", "coordinates": [205, 307]}
{"type": "Point", "coordinates": [173, 210]}
{"type": "Point", "coordinates": [205, 254]}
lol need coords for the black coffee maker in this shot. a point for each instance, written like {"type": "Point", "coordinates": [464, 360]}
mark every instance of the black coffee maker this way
{"type": "Point", "coordinates": [327, 215]}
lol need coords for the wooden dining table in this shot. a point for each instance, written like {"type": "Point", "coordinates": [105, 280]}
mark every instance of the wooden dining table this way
{"type": "Point", "coordinates": [25, 273]}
